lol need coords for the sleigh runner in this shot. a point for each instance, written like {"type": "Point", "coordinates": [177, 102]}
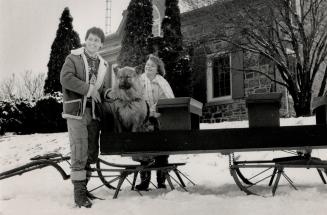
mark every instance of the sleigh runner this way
{"type": "Point", "coordinates": [187, 139]}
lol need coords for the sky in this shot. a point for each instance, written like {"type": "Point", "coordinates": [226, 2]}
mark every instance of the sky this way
{"type": "Point", "coordinates": [28, 28]}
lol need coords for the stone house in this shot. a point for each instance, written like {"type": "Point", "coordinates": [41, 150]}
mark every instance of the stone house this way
{"type": "Point", "coordinates": [223, 88]}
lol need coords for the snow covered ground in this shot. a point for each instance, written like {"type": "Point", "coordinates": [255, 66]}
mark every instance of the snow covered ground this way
{"type": "Point", "coordinates": [43, 191]}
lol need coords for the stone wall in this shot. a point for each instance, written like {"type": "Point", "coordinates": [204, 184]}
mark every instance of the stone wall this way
{"type": "Point", "coordinates": [254, 82]}
{"type": "Point", "coordinates": [236, 109]}
{"type": "Point", "coordinates": [199, 25]}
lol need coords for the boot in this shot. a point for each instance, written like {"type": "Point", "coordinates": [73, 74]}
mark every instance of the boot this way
{"type": "Point", "coordinates": [161, 161]}
{"type": "Point", "coordinates": [145, 181]}
{"type": "Point", "coordinates": [80, 194]}
{"type": "Point", "coordinates": [88, 178]}
{"type": "Point", "coordinates": [161, 178]}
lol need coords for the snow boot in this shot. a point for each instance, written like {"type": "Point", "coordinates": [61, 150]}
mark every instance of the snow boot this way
{"type": "Point", "coordinates": [161, 161]}
{"type": "Point", "coordinates": [161, 178]}
{"type": "Point", "coordinates": [80, 194]}
{"type": "Point", "coordinates": [145, 181]}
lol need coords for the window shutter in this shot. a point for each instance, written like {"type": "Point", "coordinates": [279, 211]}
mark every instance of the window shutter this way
{"type": "Point", "coordinates": [237, 74]}
{"type": "Point", "coordinates": [199, 75]}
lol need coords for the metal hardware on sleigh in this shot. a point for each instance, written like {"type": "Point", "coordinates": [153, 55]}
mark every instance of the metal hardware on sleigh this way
{"type": "Point", "coordinates": [272, 170]}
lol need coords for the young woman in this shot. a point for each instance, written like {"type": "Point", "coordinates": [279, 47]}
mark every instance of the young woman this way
{"type": "Point", "coordinates": [155, 87]}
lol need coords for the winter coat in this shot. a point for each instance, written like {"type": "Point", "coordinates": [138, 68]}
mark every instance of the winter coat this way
{"type": "Point", "coordinates": [154, 90]}
{"type": "Point", "coordinates": [74, 78]}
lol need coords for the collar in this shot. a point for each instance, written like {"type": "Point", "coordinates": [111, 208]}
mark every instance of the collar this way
{"type": "Point", "coordinates": [80, 51]}
{"type": "Point", "coordinates": [89, 56]}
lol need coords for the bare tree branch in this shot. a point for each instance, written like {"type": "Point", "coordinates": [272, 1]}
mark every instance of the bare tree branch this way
{"type": "Point", "coordinates": [264, 74]}
{"type": "Point", "coordinates": [8, 87]}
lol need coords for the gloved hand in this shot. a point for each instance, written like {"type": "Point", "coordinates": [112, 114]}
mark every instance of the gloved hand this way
{"type": "Point", "coordinates": [94, 94]}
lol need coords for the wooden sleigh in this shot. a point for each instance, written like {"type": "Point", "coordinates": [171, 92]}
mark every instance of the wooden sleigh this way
{"type": "Point", "coordinates": [180, 134]}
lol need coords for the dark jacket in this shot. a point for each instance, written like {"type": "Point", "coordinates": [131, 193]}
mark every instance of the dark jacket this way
{"type": "Point", "coordinates": [75, 84]}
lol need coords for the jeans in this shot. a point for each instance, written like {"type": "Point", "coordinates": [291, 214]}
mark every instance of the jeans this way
{"type": "Point", "coordinates": [84, 143]}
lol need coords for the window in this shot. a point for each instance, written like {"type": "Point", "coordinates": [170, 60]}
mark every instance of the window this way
{"type": "Point", "coordinates": [156, 27]}
{"type": "Point", "coordinates": [225, 77]}
{"type": "Point", "coordinates": [219, 78]}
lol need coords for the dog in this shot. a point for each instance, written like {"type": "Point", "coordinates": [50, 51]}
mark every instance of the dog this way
{"type": "Point", "coordinates": [130, 110]}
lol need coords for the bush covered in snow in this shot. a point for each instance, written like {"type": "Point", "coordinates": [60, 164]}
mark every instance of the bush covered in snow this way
{"type": "Point", "coordinates": [48, 111]}
{"type": "Point", "coordinates": [10, 116]}
{"type": "Point", "coordinates": [24, 116]}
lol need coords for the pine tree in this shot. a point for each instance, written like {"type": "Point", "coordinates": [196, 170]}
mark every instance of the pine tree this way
{"type": "Point", "coordinates": [66, 40]}
{"type": "Point", "coordinates": [177, 60]}
{"type": "Point", "coordinates": [137, 31]}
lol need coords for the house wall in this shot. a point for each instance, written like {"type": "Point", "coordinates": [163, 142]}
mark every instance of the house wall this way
{"type": "Point", "coordinates": [199, 26]}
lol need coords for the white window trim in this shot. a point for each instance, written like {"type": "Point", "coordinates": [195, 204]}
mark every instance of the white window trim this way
{"type": "Point", "coordinates": [210, 97]}
{"type": "Point", "coordinates": [157, 21]}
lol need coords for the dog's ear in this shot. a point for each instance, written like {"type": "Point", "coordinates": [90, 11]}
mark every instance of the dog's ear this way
{"type": "Point", "coordinates": [116, 68]}
{"type": "Point", "coordinates": [139, 69]}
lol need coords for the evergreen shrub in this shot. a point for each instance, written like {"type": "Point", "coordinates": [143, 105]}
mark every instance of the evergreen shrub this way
{"type": "Point", "coordinates": [66, 39]}
{"type": "Point", "coordinates": [9, 116]}
{"type": "Point", "coordinates": [48, 111]}
{"type": "Point", "coordinates": [138, 30]}
{"type": "Point", "coordinates": [22, 116]}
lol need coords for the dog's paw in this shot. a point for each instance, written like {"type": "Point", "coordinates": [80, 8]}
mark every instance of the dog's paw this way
{"type": "Point", "coordinates": [155, 114]}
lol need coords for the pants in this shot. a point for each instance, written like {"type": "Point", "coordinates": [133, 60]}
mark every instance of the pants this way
{"type": "Point", "coordinates": [161, 160]}
{"type": "Point", "coordinates": [84, 143]}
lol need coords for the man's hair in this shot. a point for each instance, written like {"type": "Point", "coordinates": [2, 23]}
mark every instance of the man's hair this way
{"type": "Point", "coordinates": [96, 31]}
{"type": "Point", "coordinates": [160, 64]}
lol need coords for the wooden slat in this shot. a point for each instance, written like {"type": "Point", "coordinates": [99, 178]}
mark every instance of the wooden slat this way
{"type": "Point", "coordinates": [215, 140]}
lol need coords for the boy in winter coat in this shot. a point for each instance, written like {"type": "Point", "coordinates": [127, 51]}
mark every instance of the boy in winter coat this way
{"type": "Point", "coordinates": [82, 79]}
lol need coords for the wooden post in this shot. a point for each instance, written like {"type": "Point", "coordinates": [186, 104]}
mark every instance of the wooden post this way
{"type": "Point", "coordinates": [181, 113]}
{"type": "Point", "coordinates": [263, 109]}
{"type": "Point", "coordinates": [319, 107]}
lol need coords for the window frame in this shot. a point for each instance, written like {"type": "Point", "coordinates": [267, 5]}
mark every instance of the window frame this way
{"type": "Point", "coordinates": [210, 84]}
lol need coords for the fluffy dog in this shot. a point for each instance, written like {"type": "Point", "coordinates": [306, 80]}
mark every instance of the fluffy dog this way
{"type": "Point", "coordinates": [129, 109]}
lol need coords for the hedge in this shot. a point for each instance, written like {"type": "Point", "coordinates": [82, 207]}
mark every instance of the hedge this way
{"type": "Point", "coordinates": [23, 116]}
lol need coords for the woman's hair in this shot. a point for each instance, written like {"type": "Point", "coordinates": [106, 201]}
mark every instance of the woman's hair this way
{"type": "Point", "coordinates": [160, 64]}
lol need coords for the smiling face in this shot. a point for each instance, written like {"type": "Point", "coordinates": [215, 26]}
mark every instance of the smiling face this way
{"type": "Point", "coordinates": [93, 44]}
{"type": "Point", "coordinates": [151, 68]}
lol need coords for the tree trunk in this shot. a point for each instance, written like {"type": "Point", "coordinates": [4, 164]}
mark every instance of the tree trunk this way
{"type": "Point", "coordinates": [302, 105]}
